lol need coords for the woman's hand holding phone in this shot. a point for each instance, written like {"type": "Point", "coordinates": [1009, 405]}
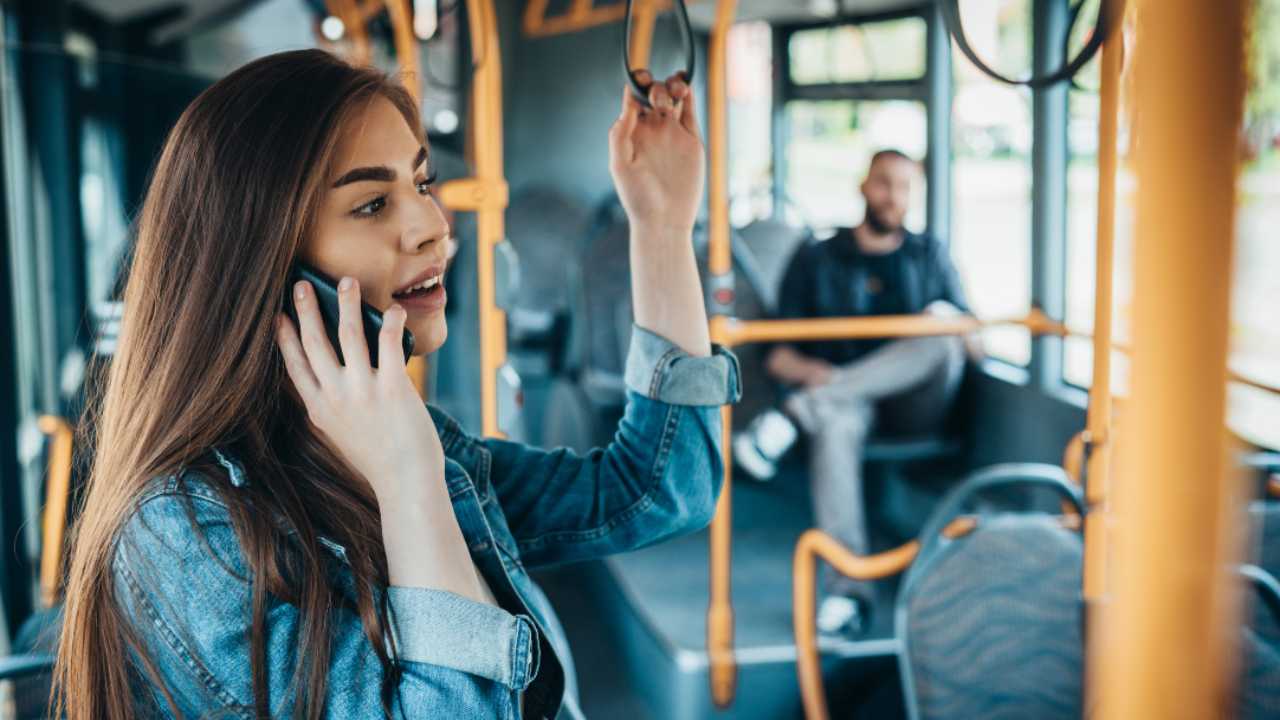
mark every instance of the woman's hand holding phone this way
{"type": "Point", "coordinates": [373, 416]}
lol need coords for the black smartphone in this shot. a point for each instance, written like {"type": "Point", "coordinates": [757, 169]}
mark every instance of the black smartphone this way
{"type": "Point", "coordinates": [326, 290]}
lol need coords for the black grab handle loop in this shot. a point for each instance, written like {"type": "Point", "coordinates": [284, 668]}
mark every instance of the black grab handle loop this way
{"type": "Point", "coordinates": [640, 90]}
{"type": "Point", "coordinates": [951, 16]}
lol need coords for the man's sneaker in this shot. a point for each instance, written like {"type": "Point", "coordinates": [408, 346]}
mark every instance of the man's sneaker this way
{"type": "Point", "coordinates": [843, 617]}
{"type": "Point", "coordinates": [758, 448]}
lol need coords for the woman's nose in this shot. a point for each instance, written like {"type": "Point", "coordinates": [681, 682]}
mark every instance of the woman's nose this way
{"type": "Point", "coordinates": [424, 228]}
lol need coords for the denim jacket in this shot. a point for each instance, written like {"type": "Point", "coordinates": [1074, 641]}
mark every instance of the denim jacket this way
{"type": "Point", "coordinates": [517, 506]}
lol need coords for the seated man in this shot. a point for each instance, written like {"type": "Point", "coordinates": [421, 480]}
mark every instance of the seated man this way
{"type": "Point", "coordinates": [845, 388]}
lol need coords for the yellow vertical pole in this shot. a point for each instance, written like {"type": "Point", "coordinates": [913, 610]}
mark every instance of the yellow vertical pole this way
{"type": "Point", "coordinates": [640, 45]}
{"type": "Point", "coordinates": [1098, 423]}
{"type": "Point", "coordinates": [353, 24]}
{"type": "Point", "coordinates": [724, 671]}
{"type": "Point", "coordinates": [57, 497]}
{"type": "Point", "coordinates": [1163, 647]}
{"type": "Point", "coordinates": [407, 58]}
{"type": "Point", "coordinates": [488, 196]}
{"type": "Point", "coordinates": [406, 45]}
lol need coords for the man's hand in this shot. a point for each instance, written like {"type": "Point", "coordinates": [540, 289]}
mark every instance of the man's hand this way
{"type": "Point", "coordinates": [789, 365]}
{"type": "Point", "coordinates": [817, 373]}
{"type": "Point", "coordinates": [972, 341]}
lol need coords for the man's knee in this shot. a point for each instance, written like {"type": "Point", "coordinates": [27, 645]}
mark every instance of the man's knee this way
{"type": "Point", "coordinates": [938, 349]}
{"type": "Point", "coordinates": [850, 423]}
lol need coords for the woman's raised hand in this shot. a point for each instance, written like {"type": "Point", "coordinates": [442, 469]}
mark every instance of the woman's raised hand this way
{"type": "Point", "coordinates": [373, 416]}
{"type": "Point", "coordinates": [656, 156]}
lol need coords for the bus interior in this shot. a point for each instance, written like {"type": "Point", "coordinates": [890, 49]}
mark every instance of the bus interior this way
{"type": "Point", "coordinates": [1094, 530]}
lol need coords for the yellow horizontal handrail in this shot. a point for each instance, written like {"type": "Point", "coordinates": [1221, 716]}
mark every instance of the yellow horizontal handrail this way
{"type": "Point", "coordinates": [57, 495]}
{"type": "Point", "coordinates": [733, 331]}
{"type": "Point", "coordinates": [582, 15]}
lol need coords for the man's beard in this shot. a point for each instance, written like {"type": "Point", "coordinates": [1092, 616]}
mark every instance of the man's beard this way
{"type": "Point", "coordinates": [878, 224]}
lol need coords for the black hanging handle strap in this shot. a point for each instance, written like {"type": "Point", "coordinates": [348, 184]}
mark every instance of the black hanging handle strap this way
{"type": "Point", "coordinates": [640, 90]}
{"type": "Point", "coordinates": [951, 15]}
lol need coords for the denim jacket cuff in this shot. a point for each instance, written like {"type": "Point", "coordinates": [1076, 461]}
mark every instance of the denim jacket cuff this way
{"type": "Point", "coordinates": [441, 628]}
{"type": "Point", "coordinates": [659, 370]}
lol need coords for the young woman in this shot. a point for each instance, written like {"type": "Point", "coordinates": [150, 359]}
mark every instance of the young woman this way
{"type": "Point", "coordinates": [269, 532]}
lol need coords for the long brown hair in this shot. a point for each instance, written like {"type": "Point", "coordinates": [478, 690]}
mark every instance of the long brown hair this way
{"type": "Point", "coordinates": [232, 199]}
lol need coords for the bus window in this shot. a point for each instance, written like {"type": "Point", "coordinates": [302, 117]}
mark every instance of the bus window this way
{"type": "Point", "coordinates": [750, 91]}
{"type": "Point", "coordinates": [873, 51]}
{"type": "Point", "coordinates": [1255, 335]}
{"type": "Point", "coordinates": [832, 142]}
{"type": "Point", "coordinates": [991, 174]}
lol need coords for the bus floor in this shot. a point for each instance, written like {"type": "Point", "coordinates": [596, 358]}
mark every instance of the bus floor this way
{"type": "Point", "coordinates": [637, 622]}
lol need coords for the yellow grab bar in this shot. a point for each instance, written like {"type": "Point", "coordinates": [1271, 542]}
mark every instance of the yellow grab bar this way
{"type": "Point", "coordinates": [485, 193]}
{"type": "Point", "coordinates": [407, 59]}
{"type": "Point", "coordinates": [353, 20]}
{"type": "Point", "coordinates": [640, 44]}
{"type": "Point", "coordinates": [1098, 422]}
{"type": "Point", "coordinates": [406, 45]}
{"type": "Point", "coordinates": [580, 16]}
{"type": "Point", "coordinates": [724, 670]}
{"type": "Point", "coordinates": [57, 495]}
{"type": "Point", "coordinates": [814, 544]}
{"type": "Point", "coordinates": [1163, 644]}
{"type": "Point", "coordinates": [732, 331]}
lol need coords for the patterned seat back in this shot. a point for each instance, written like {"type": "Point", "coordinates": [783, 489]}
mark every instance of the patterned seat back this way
{"type": "Point", "coordinates": [991, 622]}
{"type": "Point", "coordinates": [1259, 688]}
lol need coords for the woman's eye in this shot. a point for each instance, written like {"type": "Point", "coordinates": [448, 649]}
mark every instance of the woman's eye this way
{"type": "Point", "coordinates": [371, 208]}
{"type": "Point", "coordinates": [424, 185]}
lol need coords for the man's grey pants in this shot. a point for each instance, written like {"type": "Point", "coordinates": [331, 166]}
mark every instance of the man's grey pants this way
{"type": "Point", "coordinates": [903, 387]}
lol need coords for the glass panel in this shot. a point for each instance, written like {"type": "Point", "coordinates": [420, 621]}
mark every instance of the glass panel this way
{"type": "Point", "coordinates": [830, 145]}
{"type": "Point", "coordinates": [889, 50]}
{"type": "Point", "coordinates": [1082, 213]}
{"type": "Point", "coordinates": [750, 90]}
{"type": "Point", "coordinates": [1255, 335]}
{"type": "Point", "coordinates": [991, 208]}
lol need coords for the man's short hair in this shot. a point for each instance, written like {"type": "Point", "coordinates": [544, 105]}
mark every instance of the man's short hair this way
{"type": "Point", "coordinates": [886, 153]}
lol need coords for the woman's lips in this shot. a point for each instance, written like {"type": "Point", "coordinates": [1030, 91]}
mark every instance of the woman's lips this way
{"type": "Point", "coordinates": [429, 301]}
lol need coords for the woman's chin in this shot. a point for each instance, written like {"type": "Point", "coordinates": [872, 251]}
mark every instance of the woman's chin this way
{"type": "Point", "coordinates": [429, 335]}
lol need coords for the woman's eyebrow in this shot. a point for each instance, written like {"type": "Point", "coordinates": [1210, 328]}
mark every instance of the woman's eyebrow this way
{"type": "Point", "coordinates": [379, 173]}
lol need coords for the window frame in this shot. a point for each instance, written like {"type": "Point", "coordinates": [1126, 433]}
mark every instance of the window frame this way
{"type": "Point", "coordinates": [932, 90]}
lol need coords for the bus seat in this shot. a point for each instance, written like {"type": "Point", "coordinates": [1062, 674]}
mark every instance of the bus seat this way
{"type": "Point", "coordinates": [31, 676]}
{"type": "Point", "coordinates": [603, 313]}
{"type": "Point", "coordinates": [771, 243]}
{"type": "Point", "coordinates": [546, 228]}
{"type": "Point", "coordinates": [990, 623]}
{"type": "Point", "coordinates": [586, 398]}
{"type": "Point", "coordinates": [31, 667]}
{"type": "Point", "coordinates": [908, 474]}
{"type": "Point", "coordinates": [600, 332]}
{"type": "Point", "coordinates": [1258, 694]}
{"type": "Point", "coordinates": [1264, 521]}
